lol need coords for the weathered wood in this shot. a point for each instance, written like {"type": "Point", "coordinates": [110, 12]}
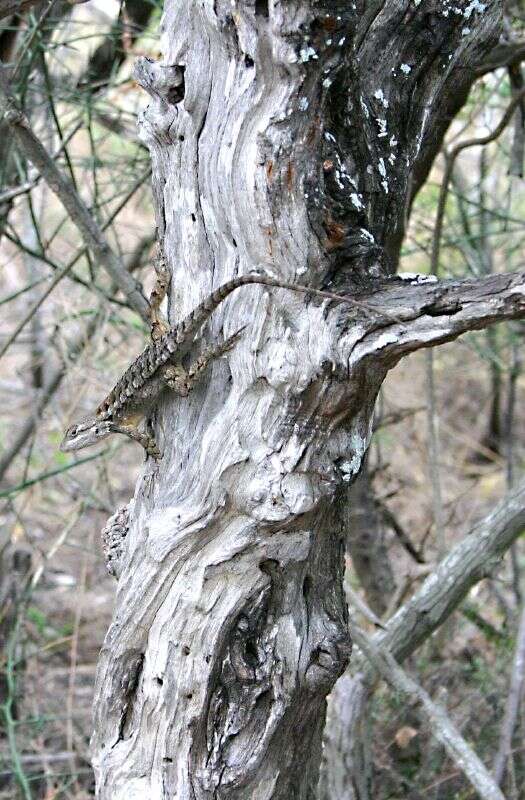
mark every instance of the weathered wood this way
{"type": "Point", "coordinates": [279, 141]}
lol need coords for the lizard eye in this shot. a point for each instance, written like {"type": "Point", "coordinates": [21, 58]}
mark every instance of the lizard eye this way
{"type": "Point", "coordinates": [73, 431]}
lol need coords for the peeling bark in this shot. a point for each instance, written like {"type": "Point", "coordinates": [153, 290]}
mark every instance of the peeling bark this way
{"type": "Point", "coordinates": [279, 141]}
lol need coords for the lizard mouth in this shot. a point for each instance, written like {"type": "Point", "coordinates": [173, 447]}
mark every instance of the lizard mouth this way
{"type": "Point", "coordinates": [66, 446]}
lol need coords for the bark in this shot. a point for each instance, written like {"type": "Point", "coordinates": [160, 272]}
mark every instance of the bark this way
{"type": "Point", "coordinates": [280, 141]}
{"type": "Point", "coordinates": [365, 542]}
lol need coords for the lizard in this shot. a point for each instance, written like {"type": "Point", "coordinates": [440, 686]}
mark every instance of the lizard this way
{"type": "Point", "coordinates": [160, 367]}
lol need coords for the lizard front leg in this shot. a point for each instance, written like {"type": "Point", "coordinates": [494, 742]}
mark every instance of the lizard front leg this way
{"type": "Point", "coordinates": [148, 442]}
{"type": "Point", "coordinates": [159, 324]}
{"type": "Point", "coordinates": [182, 381]}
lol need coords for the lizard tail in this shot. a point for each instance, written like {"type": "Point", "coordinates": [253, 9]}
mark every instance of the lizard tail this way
{"type": "Point", "coordinates": [200, 314]}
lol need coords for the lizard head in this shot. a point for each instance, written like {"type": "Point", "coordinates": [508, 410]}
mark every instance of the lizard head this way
{"type": "Point", "coordinates": [84, 434]}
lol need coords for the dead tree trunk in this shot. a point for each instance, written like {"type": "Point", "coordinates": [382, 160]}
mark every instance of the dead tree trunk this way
{"type": "Point", "coordinates": [280, 141]}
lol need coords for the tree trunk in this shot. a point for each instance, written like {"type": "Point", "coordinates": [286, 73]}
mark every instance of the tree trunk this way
{"type": "Point", "coordinates": [279, 142]}
{"type": "Point", "coordinates": [365, 542]}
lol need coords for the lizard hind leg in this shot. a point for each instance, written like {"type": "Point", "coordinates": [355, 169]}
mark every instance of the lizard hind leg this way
{"type": "Point", "coordinates": [159, 324]}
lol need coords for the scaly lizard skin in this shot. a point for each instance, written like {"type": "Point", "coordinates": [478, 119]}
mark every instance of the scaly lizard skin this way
{"type": "Point", "coordinates": [159, 367]}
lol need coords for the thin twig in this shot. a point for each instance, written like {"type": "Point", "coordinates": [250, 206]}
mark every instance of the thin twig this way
{"type": "Point", "coordinates": [58, 471]}
{"type": "Point", "coordinates": [53, 382]}
{"type": "Point", "coordinates": [450, 159]}
{"type": "Point", "coordinates": [437, 718]}
{"type": "Point", "coordinates": [512, 705]}
{"type": "Point", "coordinates": [67, 268]}
{"type": "Point", "coordinates": [78, 212]}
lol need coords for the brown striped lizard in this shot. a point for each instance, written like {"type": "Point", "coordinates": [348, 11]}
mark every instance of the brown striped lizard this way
{"type": "Point", "coordinates": [160, 367]}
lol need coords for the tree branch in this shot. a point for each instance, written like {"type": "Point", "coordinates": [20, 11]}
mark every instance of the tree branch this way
{"type": "Point", "coordinates": [474, 558]}
{"type": "Point", "coordinates": [440, 724]}
{"type": "Point", "coordinates": [428, 313]}
{"type": "Point", "coordinates": [61, 273]}
{"type": "Point", "coordinates": [8, 7]}
{"type": "Point", "coordinates": [503, 55]}
{"type": "Point", "coordinates": [53, 382]}
{"type": "Point", "coordinates": [513, 703]}
{"type": "Point", "coordinates": [79, 214]}
{"type": "Point", "coordinates": [450, 158]}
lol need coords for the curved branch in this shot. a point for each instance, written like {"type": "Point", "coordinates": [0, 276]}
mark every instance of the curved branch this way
{"type": "Point", "coordinates": [449, 167]}
{"type": "Point", "coordinates": [503, 55]}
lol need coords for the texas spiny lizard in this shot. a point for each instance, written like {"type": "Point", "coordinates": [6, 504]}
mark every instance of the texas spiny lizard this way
{"type": "Point", "coordinates": [160, 367]}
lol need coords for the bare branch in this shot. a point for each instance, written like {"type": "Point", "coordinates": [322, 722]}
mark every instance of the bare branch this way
{"type": "Point", "coordinates": [431, 313]}
{"type": "Point", "coordinates": [473, 559]}
{"type": "Point", "coordinates": [503, 55]}
{"type": "Point", "coordinates": [8, 7]}
{"type": "Point", "coordinates": [513, 703]}
{"type": "Point", "coordinates": [15, 191]}
{"type": "Point", "coordinates": [53, 382]}
{"type": "Point", "coordinates": [518, 143]}
{"type": "Point", "coordinates": [440, 724]}
{"type": "Point", "coordinates": [449, 167]}
{"type": "Point", "coordinates": [79, 214]}
{"type": "Point", "coordinates": [61, 273]}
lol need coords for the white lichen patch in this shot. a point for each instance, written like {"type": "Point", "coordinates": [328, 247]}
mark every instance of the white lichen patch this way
{"type": "Point", "coordinates": [381, 167]}
{"type": "Point", "coordinates": [363, 106]}
{"type": "Point", "coordinates": [303, 104]}
{"type": "Point", "coordinates": [417, 277]}
{"type": "Point", "coordinates": [367, 235]}
{"type": "Point", "coordinates": [306, 53]}
{"type": "Point", "coordinates": [465, 31]}
{"type": "Point", "coordinates": [406, 69]}
{"type": "Point", "coordinates": [379, 95]}
{"type": "Point", "coordinates": [475, 5]}
{"type": "Point", "coordinates": [356, 201]}
{"type": "Point", "coordinates": [327, 82]}
{"type": "Point", "coordinates": [382, 128]}
{"type": "Point", "coordinates": [358, 447]}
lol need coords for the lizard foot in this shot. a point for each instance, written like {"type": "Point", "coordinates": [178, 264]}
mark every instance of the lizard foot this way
{"type": "Point", "coordinates": [177, 379]}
